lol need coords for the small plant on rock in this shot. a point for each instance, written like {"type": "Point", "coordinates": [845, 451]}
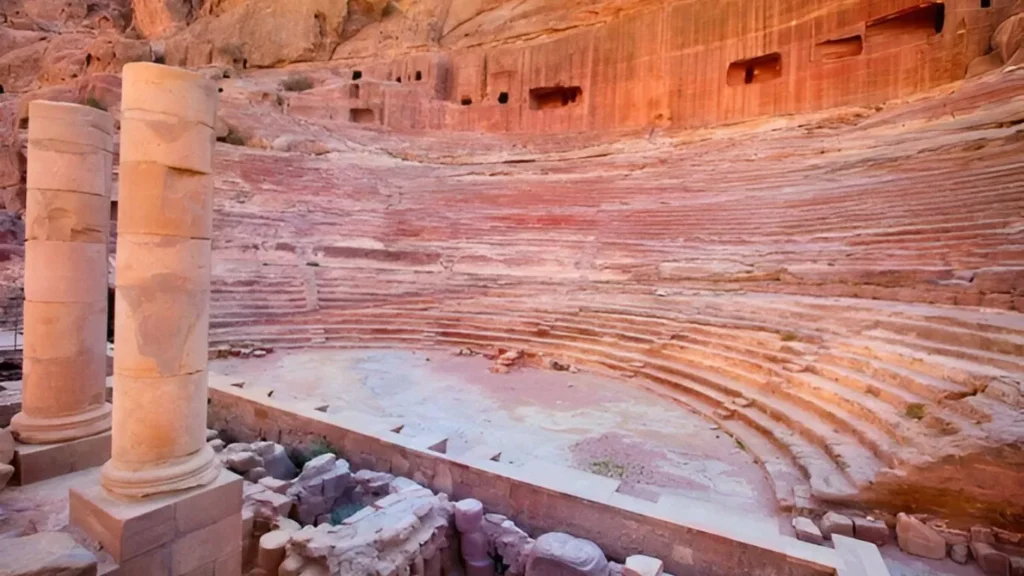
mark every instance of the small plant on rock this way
{"type": "Point", "coordinates": [609, 468]}
{"type": "Point", "coordinates": [790, 337]}
{"type": "Point", "coordinates": [915, 410]}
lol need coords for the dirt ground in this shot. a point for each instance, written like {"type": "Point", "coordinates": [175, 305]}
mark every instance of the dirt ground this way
{"type": "Point", "coordinates": [577, 419]}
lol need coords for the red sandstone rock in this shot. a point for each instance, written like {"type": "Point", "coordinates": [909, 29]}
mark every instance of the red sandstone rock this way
{"type": "Point", "coordinates": [916, 538]}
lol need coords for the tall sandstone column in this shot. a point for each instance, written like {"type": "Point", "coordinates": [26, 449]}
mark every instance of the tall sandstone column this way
{"type": "Point", "coordinates": [163, 283]}
{"type": "Point", "coordinates": [67, 228]}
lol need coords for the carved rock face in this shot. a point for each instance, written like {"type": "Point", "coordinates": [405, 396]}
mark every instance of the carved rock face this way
{"type": "Point", "coordinates": [558, 554]}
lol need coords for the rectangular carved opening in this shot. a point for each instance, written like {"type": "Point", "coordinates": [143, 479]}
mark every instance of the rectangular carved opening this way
{"type": "Point", "coordinates": [839, 48]}
{"type": "Point", "coordinates": [357, 74]}
{"type": "Point", "coordinates": [554, 97]}
{"type": "Point", "coordinates": [353, 91]}
{"type": "Point", "coordinates": [755, 70]}
{"type": "Point", "coordinates": [466, 101]}
{"type": "Point", "coordinates": [362, 116]}
{"type": "Point", "coordinates": [986, 3]}
{"type": "Point", "coordinates": [908, 25]}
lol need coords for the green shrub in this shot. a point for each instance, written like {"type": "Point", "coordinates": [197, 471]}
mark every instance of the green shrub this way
{"type": "Point", "coordinates": [317, 447]}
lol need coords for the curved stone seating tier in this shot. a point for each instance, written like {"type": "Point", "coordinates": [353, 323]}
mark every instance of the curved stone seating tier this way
{"type": "Point", "coordinates": [841, 292]}
{"type": "Point", "coordinates": [800, 382]}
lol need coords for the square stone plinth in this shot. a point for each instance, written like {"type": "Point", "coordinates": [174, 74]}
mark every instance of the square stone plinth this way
{"type": "Point", "coordinates": [37, 462]}
{"type": "Point", "coordinates": [192, 531]}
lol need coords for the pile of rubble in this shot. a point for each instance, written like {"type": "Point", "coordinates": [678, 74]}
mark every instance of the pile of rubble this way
{"type": "Point", "coordinates": [997, 552]}
{"type": "Point", "coordinates": [505, 360]}
{"type": "Point", "coordinates": [327, 520]}
{"type": "Point", "coordinates": [244, 350]}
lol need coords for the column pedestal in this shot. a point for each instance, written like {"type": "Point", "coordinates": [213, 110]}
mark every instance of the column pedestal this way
{"type": "Point", "coordinates": [194, 531]}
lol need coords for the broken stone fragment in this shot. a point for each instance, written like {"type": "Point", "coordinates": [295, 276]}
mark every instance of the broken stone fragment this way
{"type": "Point", "coordinates": [917, 538]}
{"type": "Point", "coordinates": [869, 530]}
{"type": "Point", "coordinates": [217, 445]}
{"type": "Point", "coordinates": [833, 523]}
{"type": "Point", "coordinates": [559, 554]}
{"type": "Point", "coordinates": [273, 546]}
{"type": "Point", "coordinates": [277, 462]}
{"type": "Point", "coordinates": [211, 434]}
{"type": "Point", "coordinates": [242, 462]}
{"type": "Point", "coordinates": [558, 366]}
{"type": "Point", "coordinates": [983, 535]}
{"type": "Point", "coordinates": [256, 474]}
{"type": "Point", "coordinates": [46, 553]}
{"type": "Point", "coordinates": [807, 531]}
{"type": "Point", "coordinates": [959, 553]}
{"type": "Point", "coordinates": [238, 447]}
{"type": "Point", "coordinates": [639, 565]}
{"type": "Point", "coordinates": [992, 561]}
{"type": "Point", "coordinates": [402, 484]}
{"type": "Point", "coordinates": [275, 484]}
{"type": "Point", "coordinates": [317, 466]}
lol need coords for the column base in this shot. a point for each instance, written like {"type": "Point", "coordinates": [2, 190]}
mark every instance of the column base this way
{"type": "Point", "coordinates": [37, 462]}
{"type": "Point", "coordinates": [137, 481]}
{"type": "Point", "coordinates": [194, 531]}
{"type": "Point", "coordinates": [34, 430]}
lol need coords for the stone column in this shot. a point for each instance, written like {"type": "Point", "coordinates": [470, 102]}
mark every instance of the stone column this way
{"type": "Point", "coordinates": [163, 283]}
{"type": "Point", "coordinates": [67, 225]}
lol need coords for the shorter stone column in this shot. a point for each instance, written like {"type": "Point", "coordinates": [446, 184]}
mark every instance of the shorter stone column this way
{"type": "Point", "coordinates": [469, 519]}
{"type": "Point", "coordinates": [67, 225]}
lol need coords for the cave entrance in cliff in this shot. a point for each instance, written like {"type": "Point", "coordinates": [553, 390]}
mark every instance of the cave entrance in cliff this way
{"type": "Point", "coordinates": [554, 97]}
{"type": "Point", "coordinates": [986, 3]}
{"type": "Point", "coordinates": [362, 116]}
{"type": "Point", "coordinates": [909, 25]}
{"type": "Point", "coordinates": [357, 74]}
{"type": "Point", "coordinates": [755, 70]}
{"type": "Point", "coordinates": [839, 48]}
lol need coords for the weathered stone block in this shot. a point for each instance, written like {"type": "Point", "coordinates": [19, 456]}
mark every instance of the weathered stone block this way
{"type": "Point", "coordinates": [37, 462]}
{"type": "Point", "coordinates": [833, 523]}
{"type": "Point", "coordinates": [916, 538]}
{"type": "Point", "coordinates": [874, 531]}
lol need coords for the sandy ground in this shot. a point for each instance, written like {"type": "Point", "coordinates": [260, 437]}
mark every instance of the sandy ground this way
{"type": "Point", "coordinates": [581, 420]}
